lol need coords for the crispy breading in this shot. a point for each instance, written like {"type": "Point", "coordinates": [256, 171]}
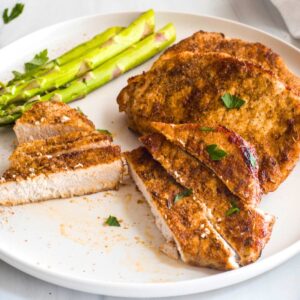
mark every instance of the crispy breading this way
{"type": "Point", "coordinates": [188, 89]}
{"type": "Point", "coordinates": [52, 118]}
{"type": "Point", "coordinates": [60, 155]}
{"type": "Point", "coordinates": [67, 161]}
{"type": "Point", "coordinates": [238, 169]}
{"type": "Point", "coordinates": [57, 145]}
{"type": "Point", "coordinates": [53, 112]}
{"type": "Point", "coordinates": [247, 230]}
{"type": "Point", "coordinates": [196, 239]}
{"type": "Point", "coordinates": [202, 42]}
{"type": "Point", "coordinates": [62, 176]}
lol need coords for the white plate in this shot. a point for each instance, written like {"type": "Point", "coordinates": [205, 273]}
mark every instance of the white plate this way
{"type": "Point", "coordinates": [65, 242]}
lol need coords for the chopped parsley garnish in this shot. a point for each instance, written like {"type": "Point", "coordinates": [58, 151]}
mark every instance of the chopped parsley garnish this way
{"type": "Point", "coordinates": [38, 60]}
{"type": "Point", "coordinates": [15, 12]}
{"type": "Point", "coordinates": [250, 157]}
{"type": "Point", "coordinates": [206, 129]}
{"type": "Point", "coordinates": [231, 101]}
{"type": "Point", "coordinates": [104, 131]}
{"type": "Point", "coordinates": [112, 221]}
{"type": "Point", "coordinates": [252, 160]}
{"type": "Point", "coordinates": [215, 153]}
{"type": "Point", "coordinates": [185, 193]}
{"type": "Point", "coordinates": [233, 209]}
{"type": "Point", "coordinates": [17, 75]}
{"type": "Point", "coordinates": [79, 110]}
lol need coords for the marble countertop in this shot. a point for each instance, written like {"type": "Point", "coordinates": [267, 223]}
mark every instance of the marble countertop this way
{"type": "Point", "coordinates": [280, 283]}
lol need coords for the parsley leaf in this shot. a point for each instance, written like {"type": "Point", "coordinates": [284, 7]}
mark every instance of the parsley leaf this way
{"type": "Point", "coordinates": [15, 12]}
{"type": "Point", "coordinates": [233, 209]}
{"type": "Point", "coordinates": [112, 221]}
{"type": "Point", "coordinates": [215, 153]}
{"type": "Point", "coordinates": [252, 160]}
{"type": "Point", "coordinates": [104, 131]}
{"type": "Point", "coordinates": [206, 129]}
{"type": "Point", "coordinates": [231, 101]}
{"type": "Point", "coordinates": [250, 157]}
{"type": "Point", "coordinates": [17, 75]}
{"type": "Point", "coordinates": [2, 85]}
{"type": "Point", "coordinates": [79, 110]}
{"type": "Point", "coordinates": [38, 60]}
{"type": "Point", "coordinates": [185, 193]}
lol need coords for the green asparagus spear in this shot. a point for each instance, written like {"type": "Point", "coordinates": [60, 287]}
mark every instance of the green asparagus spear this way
{"type": "Point", "coordinates": [76, 52]}
{"type": "Point", "coordinates": [116, 66]}
{"type": "Point", "coordinates": [130, 58]}
{"type": "Point", "coordinates": [61, 75]}
{"type": "Point", "coordinates": [96, 41]}
{"type": "Point", "coordinates": [9, 119]}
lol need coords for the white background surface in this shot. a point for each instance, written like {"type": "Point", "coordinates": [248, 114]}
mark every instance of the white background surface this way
{"type": "Point", "coordinates": [281, 283]}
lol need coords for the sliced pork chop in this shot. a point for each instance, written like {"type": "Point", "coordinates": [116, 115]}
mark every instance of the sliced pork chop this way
{"type": "Point", "coordinates": [188, 88]}
{"type": "Point", "coordinates": [66, 175]}
{"type": "Point", "coordinates": [246, 229]}
{"type": "Point", "coordinates": [183, 222]}
{"type": "Point", "coordinates": [57, 145]}
{"type": "Point", "coordinates": [203, 42]}
{"type": "Point", "coordinates": [238, 168]}
{"type": "Point", "coordinates": [47, 119]}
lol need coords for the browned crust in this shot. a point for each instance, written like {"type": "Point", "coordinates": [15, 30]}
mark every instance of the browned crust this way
{"type": "Point", "coordinates": [54, 113]}
{"type": "Point", "coordinates": [247, 231]}
{"type": "Point", "coordinates": [188, 89]}
{"type": "Point", "coordinates": [202, 42]}
{"type": "Point", "coordinates": [238, 169]}
{"type": "Point", "coordinates": [183, 218]}
{"type": "Point", "coordinates": [58, 144]}
{"type": "Point", "coordinates": [25, 168]}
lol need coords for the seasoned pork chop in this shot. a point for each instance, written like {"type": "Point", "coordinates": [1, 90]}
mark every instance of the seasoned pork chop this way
{"type": "Point", "coordinates": [188, 89]}
{"type": "Point", "coordinates": [46, 119]}
{"type": "Point", "coordinates": [238, 168]}
{"type": "Point", "coordinates": [57, 145]}
{"type": "Point", "coordinates": [203, 42]}
{"type": "Point", "coordinates": [183, 222]}
{"type": "Point", "coordinates": [66, 175]}
{"type": "Point", "coordinates": [246, 229]}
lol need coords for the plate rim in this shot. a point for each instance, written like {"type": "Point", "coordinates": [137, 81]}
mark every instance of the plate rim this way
{"type": "Point", "coordinates": [163, 289]}
{"type": "Point", "coordinates": [90, 16]}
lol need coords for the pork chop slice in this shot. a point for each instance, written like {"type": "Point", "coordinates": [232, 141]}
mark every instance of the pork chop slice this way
{"type": "Point", "coordinates": [47, 119]}
{"type": "Point", "coordinates": [245, 228]}
{"type": "Point", "coordinates": [57, 145]}
{"type": "Point", "coordinates": [236, 165]}
{"type": "Point", "coordinates": [188, 88]}
{"type": "Point", "coordinates": [203, 42]}
{"type": "Point", "coordinates": [183, 222]}
{"type": "Point", "coordinates": [66, 175]}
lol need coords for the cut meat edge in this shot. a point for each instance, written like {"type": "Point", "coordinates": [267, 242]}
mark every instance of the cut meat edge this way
{"type": "Point", "coordinates": [167, 232]}
{"type": "Point", "coordinates": [64, 184]}
{"type": "Point", "coordinates": [238, 169]}
{"type": "Point", "coordinates": [57, 145]}
{"type": "Point", "coordinates": [248, 218]}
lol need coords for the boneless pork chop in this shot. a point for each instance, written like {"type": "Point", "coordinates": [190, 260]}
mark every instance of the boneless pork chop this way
{"type": "Point", "coordinates": [60, 155]}
{"type": "Point", "coordinates": [226, 153]}
{"type": "Point", "coordinates": [57, 145]}
{"type": "Point", "coordinates": [245, 228]}
{"type": "Point", "coordinates": [184, 222]}
{"type": "Point", "coordinates": [48, 119]}
{"type": "Point", "coordinates": [188, 88]}
{"type": "Point", "coordinates": [61, 176]}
